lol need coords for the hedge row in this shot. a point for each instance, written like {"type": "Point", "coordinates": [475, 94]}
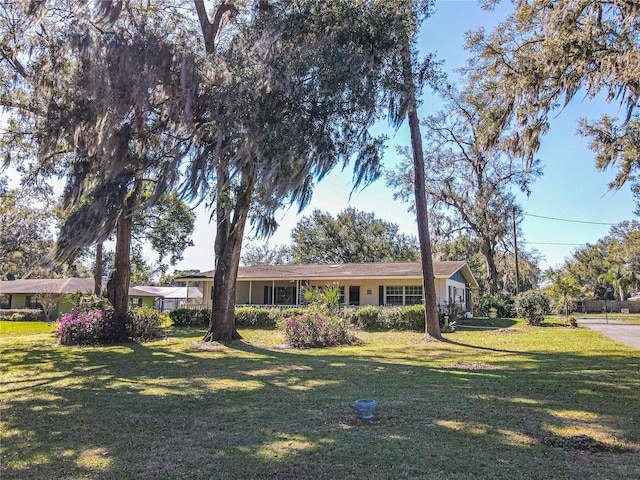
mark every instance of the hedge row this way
{"type": "Point", "coordinates": [188, 317]}
{"type": "Point", "coordinates": [410, 317]}
{"type": "Point", "coordinates": [22, 315]}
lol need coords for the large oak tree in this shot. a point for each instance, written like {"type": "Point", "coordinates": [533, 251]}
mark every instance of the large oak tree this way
{"type": "Point", "coordinates": [469, 183]}
{"type": "Point", "coordinates": [351, 237]}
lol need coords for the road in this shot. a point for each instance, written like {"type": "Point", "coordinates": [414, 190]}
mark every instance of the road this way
{"type": "Point", "coordinates": [625, 333]}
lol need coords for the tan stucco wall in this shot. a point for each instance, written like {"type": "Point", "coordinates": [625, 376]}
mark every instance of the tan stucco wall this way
{"type": "Point", "coordinates": [18, 300]}
{"type": "Point", "coordinates": [368, 288]}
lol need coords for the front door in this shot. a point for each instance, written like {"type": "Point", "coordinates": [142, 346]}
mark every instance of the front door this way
{"type": "Point", "coordinates": [354, 295]}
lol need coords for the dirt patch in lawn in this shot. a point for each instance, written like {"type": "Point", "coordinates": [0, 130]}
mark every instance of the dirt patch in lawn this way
{"type": "Point", "coordinates": [469, 366]}
{"type": "Point", "coordinates": [507, 331]}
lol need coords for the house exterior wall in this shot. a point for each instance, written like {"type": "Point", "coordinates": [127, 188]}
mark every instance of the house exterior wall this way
{"type": "Point", "coordinates": [18, 300]}
{"type": "Point", "coordinates": [65, 304]}
{"type": "Point", "coordinates": [253, 292]}
{"type": "Point", "coordinates": [141, 302]}
{"type": "Point", "coordinates": [456, 292]}
{"type": "Point", "coordinates": [261, 292]}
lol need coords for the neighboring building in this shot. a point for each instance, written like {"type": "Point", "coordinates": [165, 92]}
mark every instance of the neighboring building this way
{"type": "Point", "coordinates": [361, 283]}
{"type": "Point", "coordinates": [56, 293]}
{"type": "Point", "coordinates": [168, 298]}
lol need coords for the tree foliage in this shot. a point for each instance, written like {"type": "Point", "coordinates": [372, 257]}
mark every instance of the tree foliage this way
{"type": "Point", "coordinates": [103, 104]}
{"type": "Point", "coordinates": [298, 87]}
{"type": "Point", "coordinates": [594, 267]}
{"type": "Point", "coordinates": [351, 237]}
{"type": "Point", "coordinates": [281, 93]}
{"type": "Point", "coordinates": [562, 289]}
{"type": "Point", "coordinates": [465, 247]}
{"type": "Point", "coordinates": [468, 181]}
{"type": "Point", "coordinates": [27, 222]}
{"type": "Point", "coordinates": [548, 52]}
{"type": "Point", "coordinates": [265, 254]}
{"type": "Point", "coordinates": [166, 225]}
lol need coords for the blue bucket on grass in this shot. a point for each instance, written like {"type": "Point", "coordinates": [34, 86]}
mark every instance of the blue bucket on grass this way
{"type": "Point", "coordinates": [365, 408]}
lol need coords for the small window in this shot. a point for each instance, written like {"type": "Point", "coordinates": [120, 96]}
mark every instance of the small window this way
{"type": "Point", "coordinates": [135, 302]}
{"type": "Point", "coordinates": [413, 295]}
{"type": "Point", "coordinates": [5, 301]}
{"type": "Point", "coordinates": [394, 296]}
{"type": "Point", "coordinates": [31, 301]}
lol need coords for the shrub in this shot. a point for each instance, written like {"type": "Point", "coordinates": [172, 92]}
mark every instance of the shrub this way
{"type": "Point", "coordinates": [504, 305]}
{"type": "Point", "coordinates": [412, 318]}
{"type": "Point", "coordinates": [390, 318]}
{"type": "Point", "coordinates": [252, 317]}
{"type": "Point", "coordinates": [267, 318]}
{"type": "Point", "coordinates": [316, 330]}
{"type": "Point", "coordinates": [86, 327]}
{"type": "Point", "coordinates": [367, 318]}
{"type": "Point", "coordinates": [533, 306]}
{"type": "Point", "coordinates": [454, 311]}
{"type": "Point", "coordinates": [348, 314]}
{"type": "Point", "coordinates": [292, 312]}
{"type": "Point", "coordinates": [203, 316]}
{"type": "Point", "coordinates": [189, 317]}
{"type": "Point", "coordinates": [145, 323]}
{"type": "Point", "coordinates": [23, 314]}
{"type": "Point", "coordinates": [244, 316]}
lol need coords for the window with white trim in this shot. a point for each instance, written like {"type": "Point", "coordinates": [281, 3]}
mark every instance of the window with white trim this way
{"type": "Point", "coordinates": [403, 295]}
{"type": "Point", "coordinates": [394, 296]}
{"type": "Point", "coordinates": [413, 295]}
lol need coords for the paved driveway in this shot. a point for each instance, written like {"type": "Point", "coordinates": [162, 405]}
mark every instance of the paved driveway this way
{"type": "Point", "coordinates": [625, 333]}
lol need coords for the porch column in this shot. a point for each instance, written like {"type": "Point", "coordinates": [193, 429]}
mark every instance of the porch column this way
{"type": "Point", "coordinates": [250, 288]}
{"type": "Point", "coordinates": [273, 292]}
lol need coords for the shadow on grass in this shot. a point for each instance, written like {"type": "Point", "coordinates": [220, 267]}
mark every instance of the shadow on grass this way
{"type": "Point", "coordinates": [487, 322]}
{"type": "Point", "coordinates": [173, 410]}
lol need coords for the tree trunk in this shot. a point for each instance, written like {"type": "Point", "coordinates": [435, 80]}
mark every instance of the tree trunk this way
{"type": "Point", "coordinates": [622, 293]}
{"type": "Point", "coordinates": [97, 272]}
{"type": "Point", "coordinates": [228, 247]}
{"type": "Point", "coordinates": [118, 285]}
{"type": "Point", "coordinates": [432, 324]}
{"type": "Point", "coordinates": [490, 262]}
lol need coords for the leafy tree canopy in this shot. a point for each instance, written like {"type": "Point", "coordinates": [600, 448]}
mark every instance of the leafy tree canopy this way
{"type": "Point", "coordinates": [596, 267]}
{"type": "Point", "coordinates": [27, 220]}
{"type": "Point", "coordinates": [351, 237]}
{"type": "Point", "coordinates": [265, 254]}
{"type": "Point", "coordinates": [468, 181]}
{"type": "Point", "coordinates": [548, 52]}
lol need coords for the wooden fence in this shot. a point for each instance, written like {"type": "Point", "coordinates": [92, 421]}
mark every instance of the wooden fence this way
{"type": "Point", "coordinates": [610, 306]}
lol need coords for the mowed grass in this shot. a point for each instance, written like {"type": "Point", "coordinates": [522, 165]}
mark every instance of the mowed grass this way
{"type": "Point", "coordinates": [487, 404]}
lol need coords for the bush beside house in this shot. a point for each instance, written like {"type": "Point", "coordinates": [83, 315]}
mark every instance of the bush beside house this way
{"type": "Point", "coordinates": [533, 306]}
{"type": "Point", "coordinates": [22, 315]}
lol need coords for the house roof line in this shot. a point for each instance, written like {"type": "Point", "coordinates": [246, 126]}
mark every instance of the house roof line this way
{"type": "Point", "coordinates": [352, 271]}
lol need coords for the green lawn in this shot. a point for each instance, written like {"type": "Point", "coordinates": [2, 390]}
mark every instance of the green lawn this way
{"type": "Point", "coordinates": [488, 404]}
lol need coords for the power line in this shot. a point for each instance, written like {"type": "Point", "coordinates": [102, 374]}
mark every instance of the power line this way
{"type": "Point", "coordinates": [568, 220]}
{"type": "Point", "coordinates": [553, 243]}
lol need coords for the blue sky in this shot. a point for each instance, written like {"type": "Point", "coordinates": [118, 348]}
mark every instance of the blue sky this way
{"type": "Point", "coordinates": [570, 188]}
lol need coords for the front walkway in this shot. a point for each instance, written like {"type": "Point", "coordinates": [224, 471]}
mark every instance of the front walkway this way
{"type": "Point", "coordinates": [625, 333]}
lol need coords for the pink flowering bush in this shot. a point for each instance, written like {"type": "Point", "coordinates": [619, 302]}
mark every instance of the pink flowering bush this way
{"type": "Point", "coordinates": [86, 327]}
{"type": "Point", "coordinates": [314, 329]}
